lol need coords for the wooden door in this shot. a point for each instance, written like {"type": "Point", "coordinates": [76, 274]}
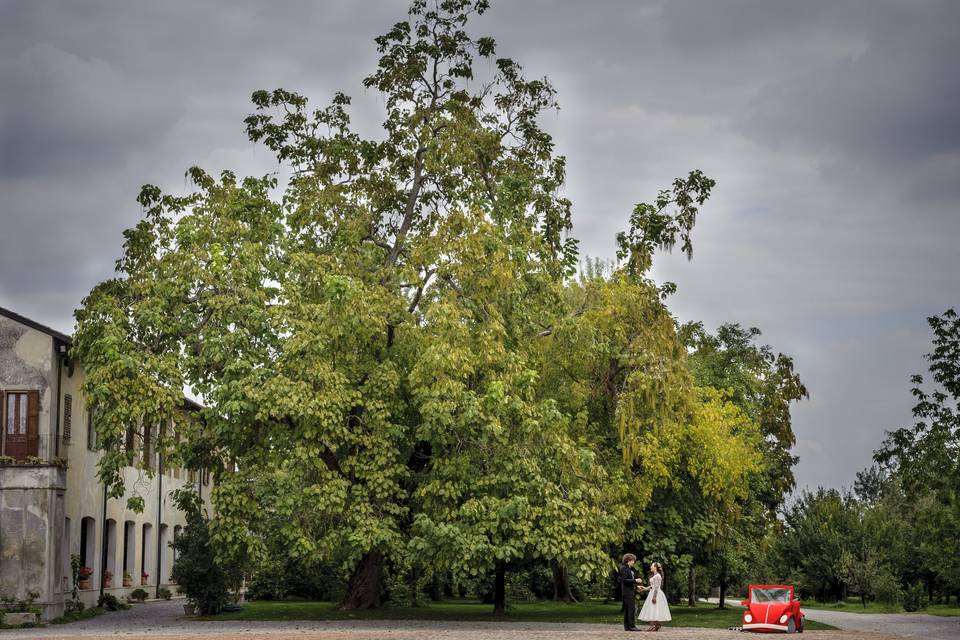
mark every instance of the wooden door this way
{"type": "Point", "coordinates": [21, 413]}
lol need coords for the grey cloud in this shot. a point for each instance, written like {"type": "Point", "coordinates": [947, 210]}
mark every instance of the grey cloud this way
{"type": "Point", "coordinates": [832, 129]}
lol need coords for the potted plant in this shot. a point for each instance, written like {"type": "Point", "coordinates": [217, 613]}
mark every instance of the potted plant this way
{"type": "Point", "coordinates": [107, 579]}
{"type": "Point", "coordinates": [144, 578]}
{"type": "Point", "coordinates": [84, 577]}
{"type": "Point", "coordinates": [189, 608]}
{"type": "Point", "coordinates": [127, 579]}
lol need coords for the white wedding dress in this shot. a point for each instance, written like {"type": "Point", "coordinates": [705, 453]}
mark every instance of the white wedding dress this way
{"type": "Point", "coordinates": [658, 612]}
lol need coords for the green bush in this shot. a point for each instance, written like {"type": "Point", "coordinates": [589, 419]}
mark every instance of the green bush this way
{"type": "Point", "coordinates": [164, 593]}
{"type": "Point", "coordinates": [284, 578]}
{"type": "Point", "coordinates": [914, 597]}
{"type": "Point", "coordinates": [110, 602]}
{"type": "Point", "coordinates": [198, 576]}
{"type": "Point", "coordinates": [886, 589]}
{"type": "Point", "coordinates": [139, 595]}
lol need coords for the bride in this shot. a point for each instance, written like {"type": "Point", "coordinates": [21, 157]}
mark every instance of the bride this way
{"type": "Point", "coordinates": [655, 609]}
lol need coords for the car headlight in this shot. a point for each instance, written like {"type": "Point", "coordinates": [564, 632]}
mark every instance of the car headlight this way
{"type": "Point", "coordinates": [783, 619]}
{"type": "Point", "coordinates": [747, 618]}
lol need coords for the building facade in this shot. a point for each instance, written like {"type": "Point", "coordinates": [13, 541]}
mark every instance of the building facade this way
{"type": "Point", "coordinates": [52, 505]}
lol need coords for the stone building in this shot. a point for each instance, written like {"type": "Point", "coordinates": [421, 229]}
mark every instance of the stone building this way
{"type": "Point", "coordinates": [52, 504]}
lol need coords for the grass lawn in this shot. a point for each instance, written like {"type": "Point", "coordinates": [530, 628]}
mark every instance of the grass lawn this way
{"type": "Point", "coordinates": [705, 615]}
{"type": "Point", "coordinates": [853, 605]}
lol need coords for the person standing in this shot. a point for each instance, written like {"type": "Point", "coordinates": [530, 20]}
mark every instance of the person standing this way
{"type": "Point", "coordinates": [655, 609]}
{"type": "Point", "coordinates": [628, 586]}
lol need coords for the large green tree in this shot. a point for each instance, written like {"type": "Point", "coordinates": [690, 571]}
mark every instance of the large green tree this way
{"type": "Point", "coordinates": [367, 345]}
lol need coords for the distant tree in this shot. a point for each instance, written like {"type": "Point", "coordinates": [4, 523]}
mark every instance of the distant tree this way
{"type": "Point", "coordinates": [926, 455]}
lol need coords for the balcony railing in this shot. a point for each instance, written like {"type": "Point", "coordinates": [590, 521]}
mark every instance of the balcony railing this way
{"type": "Point", "coordinates": [29, 449]}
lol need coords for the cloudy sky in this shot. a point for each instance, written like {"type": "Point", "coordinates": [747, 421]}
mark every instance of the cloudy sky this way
{"type": "Point", "coordinates": [832, 129]}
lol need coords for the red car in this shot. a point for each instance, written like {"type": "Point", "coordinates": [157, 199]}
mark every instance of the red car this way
{"type": "Point", "coordinates": [772, 607]}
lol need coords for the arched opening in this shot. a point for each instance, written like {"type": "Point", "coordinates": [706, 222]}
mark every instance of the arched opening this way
{"type": "Point", "coordinates": [146, 554]}
{"type": "Point", "coordinates": [177, 530]}
{"type": "Point", "coordinates": [110, 577]}
{"type": "Point", "coordinates": [129, 551]}
{"type": "Point", "coordinates": [88, 557]}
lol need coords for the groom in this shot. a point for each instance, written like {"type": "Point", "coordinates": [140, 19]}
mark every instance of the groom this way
{"type": "Point", "coordinates": [628, 585]}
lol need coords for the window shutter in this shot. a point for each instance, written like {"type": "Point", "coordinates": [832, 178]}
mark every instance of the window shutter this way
{"type": "Point", "coordinates": [33, 413]}
{"type": "Point", "coordinates": [33, 424]}
{"type": "Point", "coordinates": [91, 431]}
{"type": "Point", "coordinates": [147, 456]}
{"type": "Point", "coordinates": [67, 416]}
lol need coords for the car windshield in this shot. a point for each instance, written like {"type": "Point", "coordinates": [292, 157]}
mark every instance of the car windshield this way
{"type": "Point", "coordinates": [770, 594]}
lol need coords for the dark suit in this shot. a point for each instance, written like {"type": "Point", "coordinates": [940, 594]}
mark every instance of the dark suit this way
{"type": "Point", "coordinates": [628, 584]}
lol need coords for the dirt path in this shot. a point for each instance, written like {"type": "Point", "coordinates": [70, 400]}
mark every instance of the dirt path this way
{"type": "Point", "coordinates": [908, 625]}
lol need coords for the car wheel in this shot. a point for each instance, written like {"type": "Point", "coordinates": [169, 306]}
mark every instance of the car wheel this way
{"type": "Point", "coordinates": [792, 626]}
{"type": "Point", "coordinates": [800, 626]}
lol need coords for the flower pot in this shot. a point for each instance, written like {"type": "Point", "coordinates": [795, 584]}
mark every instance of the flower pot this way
{"type": "Point", "coordinates": [83, 584]}
{"type": "Point", "coordinates": [189, 609]}
{"type": "Point", "coordinates": [107, 583]}
{"type": "Point", "coordinates": [128, 582]}
{"type": "Point", "coordinates": [144, 582]}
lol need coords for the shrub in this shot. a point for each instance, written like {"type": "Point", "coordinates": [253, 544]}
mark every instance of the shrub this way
{"type": "Point", "coordinates": [7, 460]}
{"type": "Point", "coordinates": [914, 597]}
{"type": "Point", "coordinates": [164, 593]}
{"type": "Point", "coordinates": [110, 602]}
{"type": "Point", "coordinates": [886, 589]}
{"type": "Point", "coordinates": [139, 595]}
{"type": "Point", "coordinates": [196, 571]}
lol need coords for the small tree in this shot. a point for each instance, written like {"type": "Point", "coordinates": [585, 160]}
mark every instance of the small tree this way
{"type": "Point", "coordinates": [195, 570]}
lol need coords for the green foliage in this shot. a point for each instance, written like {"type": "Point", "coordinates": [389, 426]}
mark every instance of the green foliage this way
{"type": "Point", "coordinates": [110, 602]}
{"type": "Point", "coordinates": [196, 571]}
{"type": "Point", "coordinates": [400, 376]}
{"type": "Point", "coordinates": [7, 460]}
{"type": "Point", "coordinates": [164, 593]}
{"type": "Point", "coordinates": [914, 597]}
{"type": "Point", "coordinates": [139, 595]}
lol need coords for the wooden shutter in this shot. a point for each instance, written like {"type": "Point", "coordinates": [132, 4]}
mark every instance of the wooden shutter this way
{"type": "Point", "coordinates": [67, 416]}
{"type": "Point", "coordinates": [33, 423]}
{"type": "Point", "coordinates": [147, 457]}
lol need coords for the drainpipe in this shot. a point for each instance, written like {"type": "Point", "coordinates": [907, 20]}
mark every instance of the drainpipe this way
{"type": "Point", "coordinates": [103, 536]}
{"type": "Point", "coordinates": [159, 512]}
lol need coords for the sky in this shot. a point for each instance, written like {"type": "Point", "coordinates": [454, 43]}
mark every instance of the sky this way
{"type": "Point", "coordinates": [831, 128]}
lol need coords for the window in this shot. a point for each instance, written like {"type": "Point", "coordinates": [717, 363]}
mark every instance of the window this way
{"type": "Point", "coordinates": [130, 440]}
{"type": "Point", "coordinates": [147, 457]}
{"type": "Point", "coordinates": [21, 424]}
{"type": "Point", "coordinates": [91, 430]}
{"type": "Point", "coordinates": [67, 416]}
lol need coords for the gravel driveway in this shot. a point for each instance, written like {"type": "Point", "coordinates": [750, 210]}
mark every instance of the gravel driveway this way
{"type": "Point", "coordinates": [165, 621]}
{"type": "Point", "coordinates": [910, 625]}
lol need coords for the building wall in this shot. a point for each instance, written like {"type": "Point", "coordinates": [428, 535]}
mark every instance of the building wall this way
{"type": "Point", "coordinates": [31, 509]}
{"type": "Point", "coordinates": [44, 509]}
{"type": "Point", "coordinates": [28, 363]}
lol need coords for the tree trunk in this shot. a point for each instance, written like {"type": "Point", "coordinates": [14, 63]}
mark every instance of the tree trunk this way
{"type": "Point", "coordinates": [692, 586]}
{"type": "Point", "coordinates": [500, 589]}
{"type": "Point", "coordinates": [363, 589]}
{"type": "Point", "coordinates": [561, 583]}
{"type": "Point", "coordinates": [437, 587]}
{"type": "Point", "coordinates": [414, 576]}
{"type": "Point", "coordinates": [723, 592]}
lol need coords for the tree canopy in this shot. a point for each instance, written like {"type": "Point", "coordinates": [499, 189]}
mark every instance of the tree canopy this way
{"type": "Point", "coordinates": [400, 368]}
